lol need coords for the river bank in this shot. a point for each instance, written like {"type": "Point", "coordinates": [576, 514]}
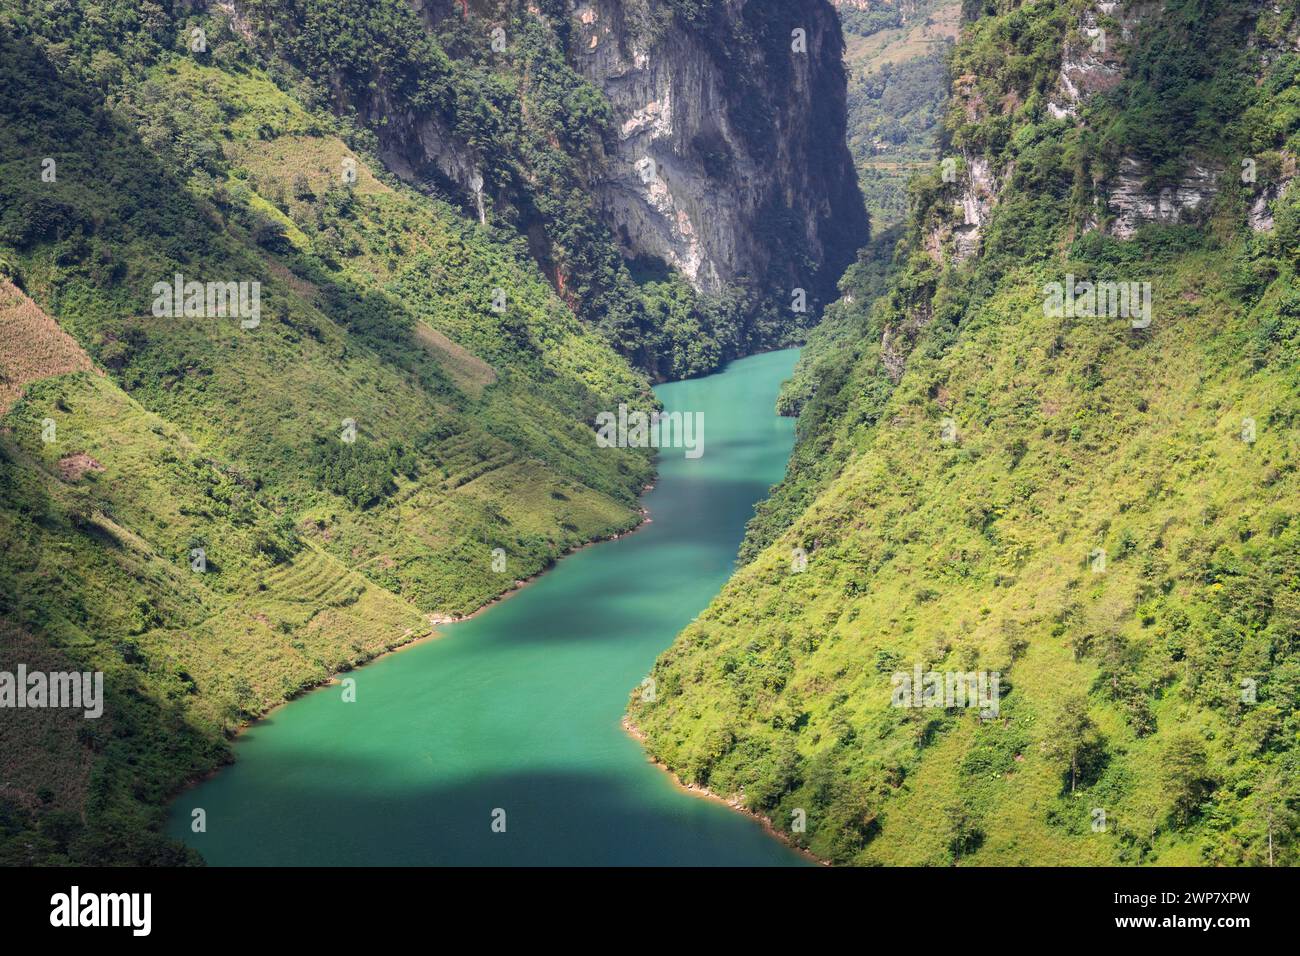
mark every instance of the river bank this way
{"type": "Point", "coordinates": [705, 793]}
{"type": "Point", "coordinates": [519, 713]}
{"type": "Point", "coordinates": [435, 632]}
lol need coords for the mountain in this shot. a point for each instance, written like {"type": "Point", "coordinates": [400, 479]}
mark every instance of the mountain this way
{"type": "Point", "coordinates": [677, 168]}
{"type": "Point", "coordinates": [309, 309]}
{"type": "Point", "coordinates": [895, 55]}
{"type": "Point", "coordinates": [1058, 448]}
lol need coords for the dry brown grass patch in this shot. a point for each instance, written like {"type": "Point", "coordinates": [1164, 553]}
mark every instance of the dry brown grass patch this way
{"type": "Point", "coordinates": [470, 373]}
{"type": "Point", "coordinates": [32, 346]}
{"type": "Point", "coordinates": [74, 467]}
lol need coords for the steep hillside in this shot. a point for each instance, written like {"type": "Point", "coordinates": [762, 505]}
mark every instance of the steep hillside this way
{"type": "Point", "coordinates": [678, 168]}
{"type": "Point", "coordinates": [220, 508]}
{"type": "Point", "coordinates": [1095, 504]}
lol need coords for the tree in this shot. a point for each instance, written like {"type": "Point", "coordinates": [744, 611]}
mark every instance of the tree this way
{"type": "Point", "coordinates": [1186, 774]}
{"type": "Point", "coordinates": [1073, 737]}
{"type": "Point", "coordinates": [964, 834]}
{"type": "Point", "coordinates": [302, 190]}
{"type": "Point", "coordinates": [1271, 809]}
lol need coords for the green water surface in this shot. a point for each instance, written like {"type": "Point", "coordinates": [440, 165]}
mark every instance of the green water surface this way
{"type": "Point", "coordinates": [519, 709]}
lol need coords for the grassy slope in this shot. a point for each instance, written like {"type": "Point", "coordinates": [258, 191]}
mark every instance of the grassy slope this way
{"type": "Point", "coordinates": [319, 555]}
{"type": "Point", "coordinates": [99, 570]}
{"type": "Point", "coordinates": [1073, 435]}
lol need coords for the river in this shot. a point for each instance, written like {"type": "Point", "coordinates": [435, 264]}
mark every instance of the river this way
{"type": "Point", "coordinates": [514, 716]}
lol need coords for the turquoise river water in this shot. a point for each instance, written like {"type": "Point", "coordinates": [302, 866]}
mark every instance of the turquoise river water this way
{"type": "Point", "coordinates": [518, 709]}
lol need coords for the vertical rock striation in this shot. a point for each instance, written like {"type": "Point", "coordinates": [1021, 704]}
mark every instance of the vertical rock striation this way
{"type": "Point", "coordinates": [729, 159]}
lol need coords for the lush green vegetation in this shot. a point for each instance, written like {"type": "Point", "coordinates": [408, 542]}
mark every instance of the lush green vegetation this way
{"type": "Point", "coordinates": [838, 390]}
{"type": "Point", "coordinates": [893, 119]}
{"type": "Point", "coordinates": [1149, 706]}
{"type": "Point", "coordinates": [897, 89]}
{"type": "Point", "coordinates": [343, 472]}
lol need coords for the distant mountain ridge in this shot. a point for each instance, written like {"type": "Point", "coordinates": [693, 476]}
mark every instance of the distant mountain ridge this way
{"type": "Point", "coordinates": [895, 57]}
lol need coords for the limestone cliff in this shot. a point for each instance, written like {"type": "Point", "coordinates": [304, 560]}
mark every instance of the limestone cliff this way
{"type": "Point", "coordinates": [724, 152]}
{"type": "Point", "coordinates": [725, 132]}
{"type": "Point", "coordinates": [678, 169]}
{"type": "Point", "coordinates": [1126, 190]}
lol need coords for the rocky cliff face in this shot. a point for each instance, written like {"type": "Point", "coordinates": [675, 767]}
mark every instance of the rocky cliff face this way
{"type": "Point", "coordinates": [678, 168]}
{"type": "Point", "coordinates": [1094, 61]}
{"type": "Point", "coordinates": [1091, 61]}
{"type": "Point", "coordinates": [1095, 58]}
{"type": "Point", "coordinates": [726, 133]}
{"type": "Point", "coordinates": [725, 157]}
{"type": "Point", "coordinates": [1132, 202]}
